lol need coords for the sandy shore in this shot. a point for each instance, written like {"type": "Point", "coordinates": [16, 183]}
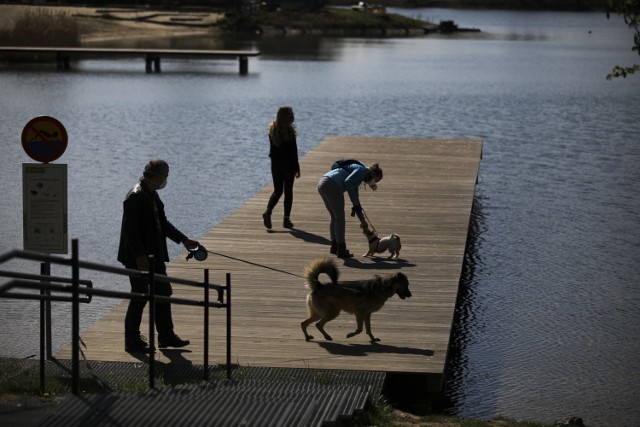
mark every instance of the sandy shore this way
{"type": "Point", "coordinates": [102, 24]}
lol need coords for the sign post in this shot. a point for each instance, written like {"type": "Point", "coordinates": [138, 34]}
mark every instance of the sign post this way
{"type": "Point", "coordinates": [44, 187]}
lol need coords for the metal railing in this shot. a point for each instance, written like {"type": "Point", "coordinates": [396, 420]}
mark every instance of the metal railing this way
{"type": "Point", "coordinates": [47, 284]}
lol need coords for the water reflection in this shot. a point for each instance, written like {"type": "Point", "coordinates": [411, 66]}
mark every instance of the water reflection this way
{"type": "Point", "coordinates": [276, 47]}
{"type": "Point", "coordinates": [459, 372]}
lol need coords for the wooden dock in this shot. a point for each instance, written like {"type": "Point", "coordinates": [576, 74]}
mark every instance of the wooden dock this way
{"type": "Point", "coordinates": [426, 197]}
{"type": "Point", "coordinates": [63, 55]}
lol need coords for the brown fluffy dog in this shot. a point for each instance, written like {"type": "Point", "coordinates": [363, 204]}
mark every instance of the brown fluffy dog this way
{"type": "Point", "coordinates": [325, 301]}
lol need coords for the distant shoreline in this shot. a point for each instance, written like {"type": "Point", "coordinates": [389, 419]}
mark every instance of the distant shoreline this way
{"type": "Point", "coordinates": [93, 28]}
{"type": "Point", "coordinates": [103, 25]}
{"type": "Point", "coordinates": [540, 5]}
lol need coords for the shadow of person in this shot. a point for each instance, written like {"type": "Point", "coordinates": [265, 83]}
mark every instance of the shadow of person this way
{"type": "Point", "coordinates": [341, 349]}
{"type": "Point", "coordinates": [175, 355]}
{"type": "Point", "coordinates": [143, 357]}
{"type": "Point", "coordinates": [309, 237]}
{"type": "Point", "coordinates": [178, 369]}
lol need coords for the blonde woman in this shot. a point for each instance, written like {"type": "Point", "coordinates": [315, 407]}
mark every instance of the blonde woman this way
{"type": "Point", "coordinates": [285, 168]}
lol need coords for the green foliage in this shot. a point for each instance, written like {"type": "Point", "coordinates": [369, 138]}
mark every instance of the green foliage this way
{"type": "Point", "coordinates": [41, 27]}
{"type": "Point", "coordinates": [630, 10]}
{"type": "Point", "coordinates": [16, 379]}
{"type": "Point", "coordinates": [449, 421]}
{"type": "Point", "coordinates": [375, 413]}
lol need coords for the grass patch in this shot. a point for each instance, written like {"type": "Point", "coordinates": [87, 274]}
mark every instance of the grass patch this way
{"type": "Point", "coordinates": [375, 413]}
{"type": "Point", "coordinates": [20, 380]}
{"type": "Point", "coordinates": [42, 28]}
{"type": "Point", "coordinates": [445, 420]}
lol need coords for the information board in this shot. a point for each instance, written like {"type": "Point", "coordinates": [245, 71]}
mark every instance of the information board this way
{"type": "Point", "coordinates": [44, 199]}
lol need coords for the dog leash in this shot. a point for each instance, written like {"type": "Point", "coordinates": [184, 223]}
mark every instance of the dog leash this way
{"type": "Point", "coordinates": [368, 220]}
{"type": "Point", "coordinates": [256, 264]}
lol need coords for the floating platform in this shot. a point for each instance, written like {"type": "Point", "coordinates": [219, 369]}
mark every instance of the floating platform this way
{"type": "Point", "coordinates": [426, 197]}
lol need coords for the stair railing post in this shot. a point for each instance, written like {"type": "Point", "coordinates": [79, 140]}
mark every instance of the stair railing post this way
{"type": "Point", "coordinates": [152, 319]}
{"type": "Point", "coordinates": [45, 320]}
{"type": "Point", "coordinates": [206, 324]}
{"type": "Point", "coordinates": [228, 325]}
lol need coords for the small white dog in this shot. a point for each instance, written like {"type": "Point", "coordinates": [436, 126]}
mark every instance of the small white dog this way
{"type": "Point", "coordinates": [379, 245]}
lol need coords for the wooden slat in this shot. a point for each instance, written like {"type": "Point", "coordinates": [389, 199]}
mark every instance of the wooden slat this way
{"type": "Point", "coordinates": [425, 197]}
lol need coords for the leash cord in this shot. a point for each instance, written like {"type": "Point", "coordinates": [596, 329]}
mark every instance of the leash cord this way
{"type": "Point", "coordinates": [256, 264]}
{"type": "Point", "coordinates": [368, 220]}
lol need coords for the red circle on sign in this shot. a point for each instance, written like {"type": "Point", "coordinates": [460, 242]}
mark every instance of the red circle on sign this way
{"type": "Point", "coordinates": [44, 139]}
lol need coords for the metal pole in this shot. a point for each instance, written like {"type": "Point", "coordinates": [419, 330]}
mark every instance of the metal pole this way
{"type": "Point", "coordinates": [228, 325]}
{"type": "Point", "coordinates": [44, 271]}
{"type": "Point", "coordinates": [49, 341]}
{"type": "Point", "coordinates": [75, 319]}
{"type": "Point", "coordinates": [47, 310]}
{"type": "Point", "coordinates": [206, 324]}
{"type": "Point", "coordinates": [244, 65]}
{"type": "Point", "coordinates": [152, 319]}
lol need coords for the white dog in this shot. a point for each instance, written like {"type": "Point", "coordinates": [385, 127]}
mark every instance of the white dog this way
{"type": "Point", "coordinates": [379, 245]}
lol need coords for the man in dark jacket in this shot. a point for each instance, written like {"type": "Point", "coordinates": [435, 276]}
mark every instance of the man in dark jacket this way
{"type": "Point", "coordinates": [144, 231]}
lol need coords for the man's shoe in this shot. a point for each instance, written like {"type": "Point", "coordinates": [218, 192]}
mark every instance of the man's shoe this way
{"type": "Point", "coordinates": [174, 341]}
{"type": "Point", "coordinates": [334, 247]}
{"type": "Point", "coordinates": [287, 223]}
{"type": "Point", "coordinates": [137, 344]}
{"type": "Point", "coordinates": [266, 219]}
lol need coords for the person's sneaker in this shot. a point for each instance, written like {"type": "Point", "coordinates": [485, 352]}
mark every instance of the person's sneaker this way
{"type": "Point", "coordinates": [287, 223]}
{"type": "Point", "coordinates": [174, 341]}
{"type": "Point", "coordinates": [137, 344]}
{"type": "Point", "coordinates": [342, 251]}
{"type": "Point", "coordinates": [266, 218]}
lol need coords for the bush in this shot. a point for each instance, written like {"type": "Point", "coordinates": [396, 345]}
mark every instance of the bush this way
{"type": "Point", "coordinates": [40, 27]}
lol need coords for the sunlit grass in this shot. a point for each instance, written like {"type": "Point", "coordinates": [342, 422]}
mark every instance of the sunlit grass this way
{"type": "Point", "coordinates": [41, 27]}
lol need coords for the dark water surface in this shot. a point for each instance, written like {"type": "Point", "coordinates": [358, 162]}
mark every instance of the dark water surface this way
{"type": "Point", "coordinates": [550, 313]}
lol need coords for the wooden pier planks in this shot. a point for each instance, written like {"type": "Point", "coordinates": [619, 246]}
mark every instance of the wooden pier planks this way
{"type": "Point", "coordinates": [426, 197]}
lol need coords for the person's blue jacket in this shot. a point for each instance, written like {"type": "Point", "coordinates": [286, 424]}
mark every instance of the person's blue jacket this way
{"type": "Point", "coordinates": [349, 177]}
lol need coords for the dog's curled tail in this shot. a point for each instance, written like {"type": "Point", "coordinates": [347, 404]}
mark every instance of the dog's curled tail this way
{"type": "Point", "coordinates": [316, 268]}
{"type": "Point", "coordinates": [399, 242]}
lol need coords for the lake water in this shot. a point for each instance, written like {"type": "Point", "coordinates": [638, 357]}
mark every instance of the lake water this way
{"type": "Point", "coordinates": [549, 321]}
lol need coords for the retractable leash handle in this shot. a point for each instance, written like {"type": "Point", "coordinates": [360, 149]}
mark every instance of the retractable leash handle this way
{"type": "Point", "coordinates": [200, 253]}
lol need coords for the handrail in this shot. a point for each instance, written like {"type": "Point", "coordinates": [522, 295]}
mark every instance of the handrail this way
{"type": "Point", "coordinates": [28, 276]}
{"type": "Point", "coordinates": [38, 286]}
{"type": "Point", "coordinates": [46, 284]}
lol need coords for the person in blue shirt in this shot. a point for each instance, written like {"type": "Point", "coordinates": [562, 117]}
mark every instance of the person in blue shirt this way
{"type": "Point", "coordinates": [345, 176]}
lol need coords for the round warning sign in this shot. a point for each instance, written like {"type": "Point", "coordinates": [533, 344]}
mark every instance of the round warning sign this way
{"type": "Point", "coordinates": [44, 139]}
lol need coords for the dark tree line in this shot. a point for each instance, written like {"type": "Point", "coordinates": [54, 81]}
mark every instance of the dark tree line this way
{"type": "Point", "coordinates": [630, 10]}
